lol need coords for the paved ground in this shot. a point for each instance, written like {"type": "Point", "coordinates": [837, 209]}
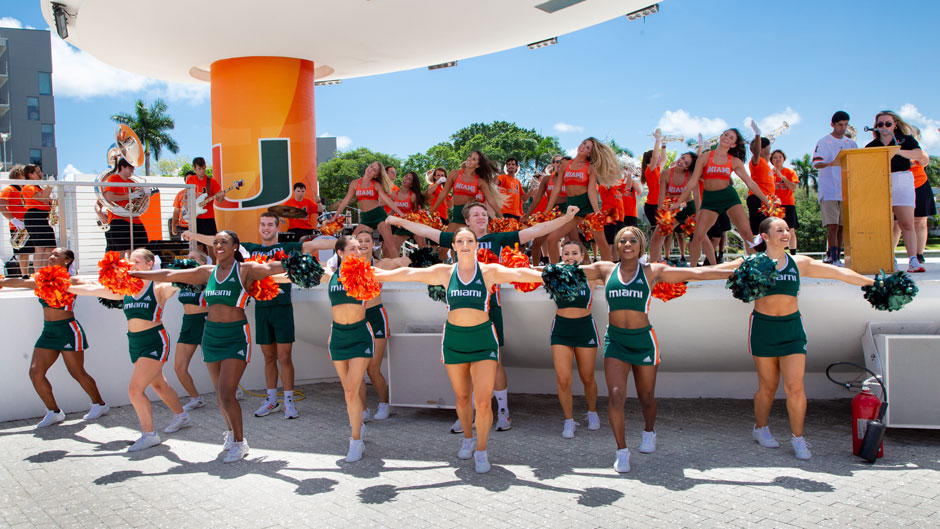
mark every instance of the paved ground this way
{"type": "Point", "coordinates": [707, 472]}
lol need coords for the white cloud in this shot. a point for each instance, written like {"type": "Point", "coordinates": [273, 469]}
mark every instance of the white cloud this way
{"type": "Point", "coordinates": [571, 153]}
{"type": "Point", "coordinates": [80, 75]}
{"type": "Point", "coordinates": [71, 171]}
{"type": "Point", "coordinates": [680, 122]}
{"type": "Point", "coordinates": [565, 127]}
{"type": "Point", "coordinates": [929, 135]}
{"type": "Point", "coordinates": [771, 122]}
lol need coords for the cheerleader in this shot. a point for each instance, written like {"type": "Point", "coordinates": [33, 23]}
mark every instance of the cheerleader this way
{"type": "Point", "coordinates": [478, 175]}
{"type": "Point", "coordinates": [786, 181]}
{"type": "Point", "coordinates": [650, 171]}
{"type": "Point", "coordinates": [149, 348]}
{"type": "Point", "coordinates": [630, 343]}
{"type": "Point", "coordinates": [469, 349]}
{"type": "Point", "coordinates": [671, 186]}
{"type": "Point", "coordinates": [226, 341]}
{"type": "Point", "coordinates": [574, 338]}
{"type": "Point", "coordinates": [194, 322]}
{"type": "Point", "coordinates": [61, 335]}
{"type": "Point", "coordinates": [776, 338]}
{"type": "Point", "coordinates": [370, 199]}
{"type": "Point", "coordinates": [378, 322]}
{"type": "Point", "coordinates": [539, 195]}
{"type": "Point", "coordinates": [408, 198]}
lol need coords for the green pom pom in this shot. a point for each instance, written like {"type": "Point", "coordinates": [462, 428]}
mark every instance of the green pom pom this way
{"type": "Point", "coordinates": [424, 257]}
{"type": "Point", "coordinates": [437, 293]}
{"type": "Point", "coordinates": [753, 278]}
{"type": "Point", "coordinates": [112, 303]}
{"type": "Point", "coordinates": [185, 264]}
{"type": "Point", "coordinates": [890, 292]}
{"type": "Point", "coordinates": [563, 281]}
{"type": "Point", "coordinates": [303, 269]}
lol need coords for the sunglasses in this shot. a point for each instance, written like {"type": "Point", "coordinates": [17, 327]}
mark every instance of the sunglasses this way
{"type": "Point", "coordinates": [884, 124]}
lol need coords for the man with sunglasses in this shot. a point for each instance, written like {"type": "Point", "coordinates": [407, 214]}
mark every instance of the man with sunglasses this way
{"type": "Point", "coordinates": [830, 183]}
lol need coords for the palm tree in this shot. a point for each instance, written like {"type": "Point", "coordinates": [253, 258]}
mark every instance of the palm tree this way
{"type": "Point", "coordinates": [807, 173]}
{"type": "Point", "coordinates": [151, 125]}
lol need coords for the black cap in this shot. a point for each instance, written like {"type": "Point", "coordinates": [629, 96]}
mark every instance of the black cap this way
{"type": "Point", "coordinates": [840, 116]}
{"type": "Point", "coordinates": [764, 142]}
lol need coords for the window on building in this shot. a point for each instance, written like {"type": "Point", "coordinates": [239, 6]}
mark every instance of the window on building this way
{"type": "Point", "coordinates": [32, 108]}
{"type": "Point", "coordinates": [48, 135]}
{"type": "Point", "coordinates": [35, 157]}
{"type": "Point", "coordinates": [45, 84]}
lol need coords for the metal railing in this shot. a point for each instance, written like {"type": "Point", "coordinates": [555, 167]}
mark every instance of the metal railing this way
{"type": "Point", "coordinates": [80, 228]}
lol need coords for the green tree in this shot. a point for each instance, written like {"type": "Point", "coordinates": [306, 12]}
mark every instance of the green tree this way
{"type": "Point", "coordinates": [620, 150]}
{"type": "Point", "coordinates": [151, 125]}
{"type": "Point", "coordinates": [334, 176]}
{"type": "Point", "coordinates": [808, 174]}
{"type": "Point", "coordinates": [933, 171]}
{"type": "Point", "coordinates": [811, 235]}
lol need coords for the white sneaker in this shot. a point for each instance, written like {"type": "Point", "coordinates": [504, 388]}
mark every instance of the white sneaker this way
{"type": "Point", "coordinates": [801, 448]}
{"type": "Point", "coordinates": [594, 422]}
{"type": "Point", "coordinates": [466, 448]}
{"type": "Point", "coordinates": [763, 437]}
{"type": "Point", "coordinates": [503, 422]}
{"type": "Point", "coordinates": [838, 262]}
{"type": "Point", "coordinates": [178, 422]}
{"type": "Point", "coordinates": [366, 415]}
{"type": "Point", "coordinates": [97, 410]}
{"type": "Point", "coordinates": [194, 403]}
{"type": "Point", "coordinates": [145, 442]}
{"type": "Point", "coordinates": [239, 394]}
{"type": "Point", "coordinates": [648, 444]}
{"type": "Point", "coordinates": [568, 431]}
{"type": "Point", "coordinates": [290, 412]}
{"type": "Point", "coordinates": [457, 427]}
{"type": "Point", "coordinates": [227, 440]}
{"type": "Point", "coordinates": [266, 408]}
{"type": "Point", "coordinates": [356, 448]}
{"type": "Point", "coordinates": [362, 431]}
{"type": "Point", "coordinates": [480, 462]}
{"type": "Point", "coordinates": [50, 418]}
{"type": "Point", "coordinates": [237, 452]}
{"type": "Point", "coordinates": [382, 412]}
{"type": "Point", "coordinates": [622, 463]}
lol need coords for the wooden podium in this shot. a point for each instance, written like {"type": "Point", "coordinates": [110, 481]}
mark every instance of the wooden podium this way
{"type": "Point", "coordinates": [867, 219]}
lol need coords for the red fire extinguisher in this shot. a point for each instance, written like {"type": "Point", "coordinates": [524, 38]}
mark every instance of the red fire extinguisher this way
{"type": "Point", "coordinates": [865, 408]}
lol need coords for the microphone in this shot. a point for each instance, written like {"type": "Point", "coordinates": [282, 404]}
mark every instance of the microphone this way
{"type": "Point", "coordinates": [883, 131]}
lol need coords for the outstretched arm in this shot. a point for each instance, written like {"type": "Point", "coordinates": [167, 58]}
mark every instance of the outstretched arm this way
{"type": "Point", "coordinates": [91, 289]}
{"type": "Point", "coordinates": [810, 267]}
{"type": "Point", "coordinates": [544, 228]}
{"type": "Point", "coordinates": [692, 183]}
{"type": "Point", "coordinates": [447, 187]}
{"type": "Point", "coordinates": [748, 181]}
{"type": "Point", "coordinates": [317, 244]}
{"type": "Point", "coordinates": [421, 230]}
{"type": "Point", "coordinates": [432, 275]}
{"type": "Point", "coordinates": [189, 235]}
{"type": "Point", "coordinates": [192, 276]}
{"type": "Point", "coordinates": [668, 274]}
{"type": "Point", "coordinates": [350, 192]}
{"type": "Point", "coordinates": [17, 282]}
{"type": "Point", "coordinates": [498, 274]}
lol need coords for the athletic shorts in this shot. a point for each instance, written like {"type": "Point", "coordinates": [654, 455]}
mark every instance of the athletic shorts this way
{"type": "Point", "coordinates": [629, 221]}
{"type": "Point", "coordinates": [574, 332]}
{"type": "Point", "coordinates": [789, 215]}
{"type": "Point", "coordinates": [350, 341]}
{"type": "Point", "coordinates": [402, 232]}
{"type": "Point", "coordinates": [206, 226]}
{"type": "Point", "coordinates": [373, 217]}
{"type": "Point", "coordinates": [226, 340]}
{"type": "Point", "coordinates": [685, 212]}
{"type": "Point", "coordinates": [119, 236]}
{"type": "Point", "coordinates": [776, 335]}
{"type": "Point", "coordinates": [192, 328]}
{"type": "Point", "coordinates": [582, 201]}
{"type": "Point", "coordinates": [924, 203]}
{"type": "Point", "coordinates": [274, 324]}
{"type": "Point", "coordinates": [377, 317]}
{"type": "Point", "coordinates": [636, 347]}
{"type": "Point", "coordinates": [510, 216]}
{"type": "Point", "coordinates": [153, 344]}
{"type": "Point", "coordinates": [40, 232]}
{"type": "Point", "coordinates": [62, 335]}
{"type": "Point", "coordinates": [721, 225]}
{"type": "Point", "coordinates": [721, 200]}
{"type": "Point", "coordinates": [462, 345]}
{"type": "Point", "coordinates": [830, 212]}
{"type": "Point", "coordinates": [456, 214]}
{"type": "Point", "coordinates": [650, 211]}
{"type": "Point", "coordinates": [610, 230]}
{"type": "Point", "coordinates": [754, 216]}
{"type": "Point", "coordinates": [496, 316]}
{"type": "Point", "coordinates": [902, 189]}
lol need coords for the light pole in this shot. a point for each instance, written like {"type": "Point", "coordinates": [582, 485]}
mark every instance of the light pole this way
{"type": "Point", "coordinates": [4, 136]}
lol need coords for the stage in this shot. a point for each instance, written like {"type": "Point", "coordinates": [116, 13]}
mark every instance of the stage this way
{"type": "Point", "coordinates": [702, 337]}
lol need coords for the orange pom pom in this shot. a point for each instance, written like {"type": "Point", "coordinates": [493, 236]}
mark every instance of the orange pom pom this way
{"type": "Point", "coordinates": [595, 221]}
{"type": "Point", "coordinates": [586, 231]}
{"type": "Point", "coordinates": [334, 226]}
{"type": "Point", "coordinates": [667, 291]}
{"type": "Point", "coordinates": [777, 210]}
{"type": "Point", "coordinates": [665, 218]}
{"type": "Point", "coordinates": [485, 255]}
{"type": "Point", "coordinates": [279, 256]}
{"type": "Point", "coordinates": [513, 258]}
{"type": "Point", "coordinates": [113, 275]}
{"type": "Point", "coordinates": [52, 285]}
{"type": "Point", "coordinates": [504, 225]}
{"type": "Point", "coordinates": [689, 225]}
{"type": "Point", "coordinates": [358, 278]}
{"type": "Point", "coordinates": [423, 217]}
{"type": "Point", "coordinates": [265, 289]}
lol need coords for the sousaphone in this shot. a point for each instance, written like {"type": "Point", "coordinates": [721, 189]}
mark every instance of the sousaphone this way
{"type": "Point", "coordinates": [127, 146]}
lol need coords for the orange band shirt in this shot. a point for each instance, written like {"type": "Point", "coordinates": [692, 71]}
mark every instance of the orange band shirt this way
{"type": "Point", "coordinates": [31, 191]}
{"type": "Point", "coordinates": [763, 176]}
{"type": "Point", "coordinates": [652, 186]}
{"type": "Point", "coordinates": [13, 196]}
{"type": "Point", "coordinates": [309, 207]}
{"type": "Point", "coordinates": [511, 188]}
{"type": "Point", "coordinates": [612, 199]}
{"type": "Point", "coordinates": [782, 191]}
{"type": "Point", "coordinates": [920, 176]}
{"type": "Point", "coordinates": [120, 192]}
{"type": "Point", "coordinates": [208, 186]}
{"type": "Point", "coordinates": [178, 203]}
{"type": "Point", "coordinates": [628, 198]}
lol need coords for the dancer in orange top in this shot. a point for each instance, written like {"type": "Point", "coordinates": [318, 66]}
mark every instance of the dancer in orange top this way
{"type": "Point", "coordinates": [302, 227]}
{"type": "Point", "coordinates": [786, 182]}
{"type": "Point", "coordinates": [478, 175]}
{"type": "Point", "coordinates": [370, 198]}
{"type": "Point", "coordinates": [763, 176]}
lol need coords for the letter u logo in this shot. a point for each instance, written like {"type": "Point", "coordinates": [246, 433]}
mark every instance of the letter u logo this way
{"type": "Point", "coordinates": [274, 180]}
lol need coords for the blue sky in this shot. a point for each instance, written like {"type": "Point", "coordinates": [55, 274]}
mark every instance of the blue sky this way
{"type": "Point", "coordinates": [695, 65]}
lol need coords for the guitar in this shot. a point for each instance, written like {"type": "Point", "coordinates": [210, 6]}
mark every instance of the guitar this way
{"type": "Point", "coordinates": [204, 199]}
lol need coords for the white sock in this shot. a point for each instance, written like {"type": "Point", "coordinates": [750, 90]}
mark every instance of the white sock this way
{"type": "Point", "coordinates": [272, 395]}
{"type": "Point", "coordinates": [502, 399]}
{"type": "Point", "coordinates": [288, 396]}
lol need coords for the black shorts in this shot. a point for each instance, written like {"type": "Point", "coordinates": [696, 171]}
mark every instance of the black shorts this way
{"type": "Point", "coordinates": [206, 226]}
{"type": "Point", "coordinates": [629, 221]}
{"type": "Point", "coordinates": [924, 204]}
{"type": "Point", "coordinates": [508, 216]}
{"type": "Point", "coordinates": [721, 225]}
{"type": "Point", "coordinates": [41, 234]}
{"type": "Point", "coordinates": [610, 230]}
{"type": "Point", "coordinates": [754, 216]}
{"type": "Point", "coordinates": [650, 211]}
{"type": "Point", "coordinates": [789, 215]}
{"type": "Point", "coordinates": [119, 236]}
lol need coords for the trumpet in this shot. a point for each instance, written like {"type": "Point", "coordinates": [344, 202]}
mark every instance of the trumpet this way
{"type": "Point", "coordinates": [707, 145]}
{"type": "Point", "coordinates": [669, 139]}
{"type": "Point", "coordinates": [778, 131]}
{"type": "Point", "coordinates": [53, 217]}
